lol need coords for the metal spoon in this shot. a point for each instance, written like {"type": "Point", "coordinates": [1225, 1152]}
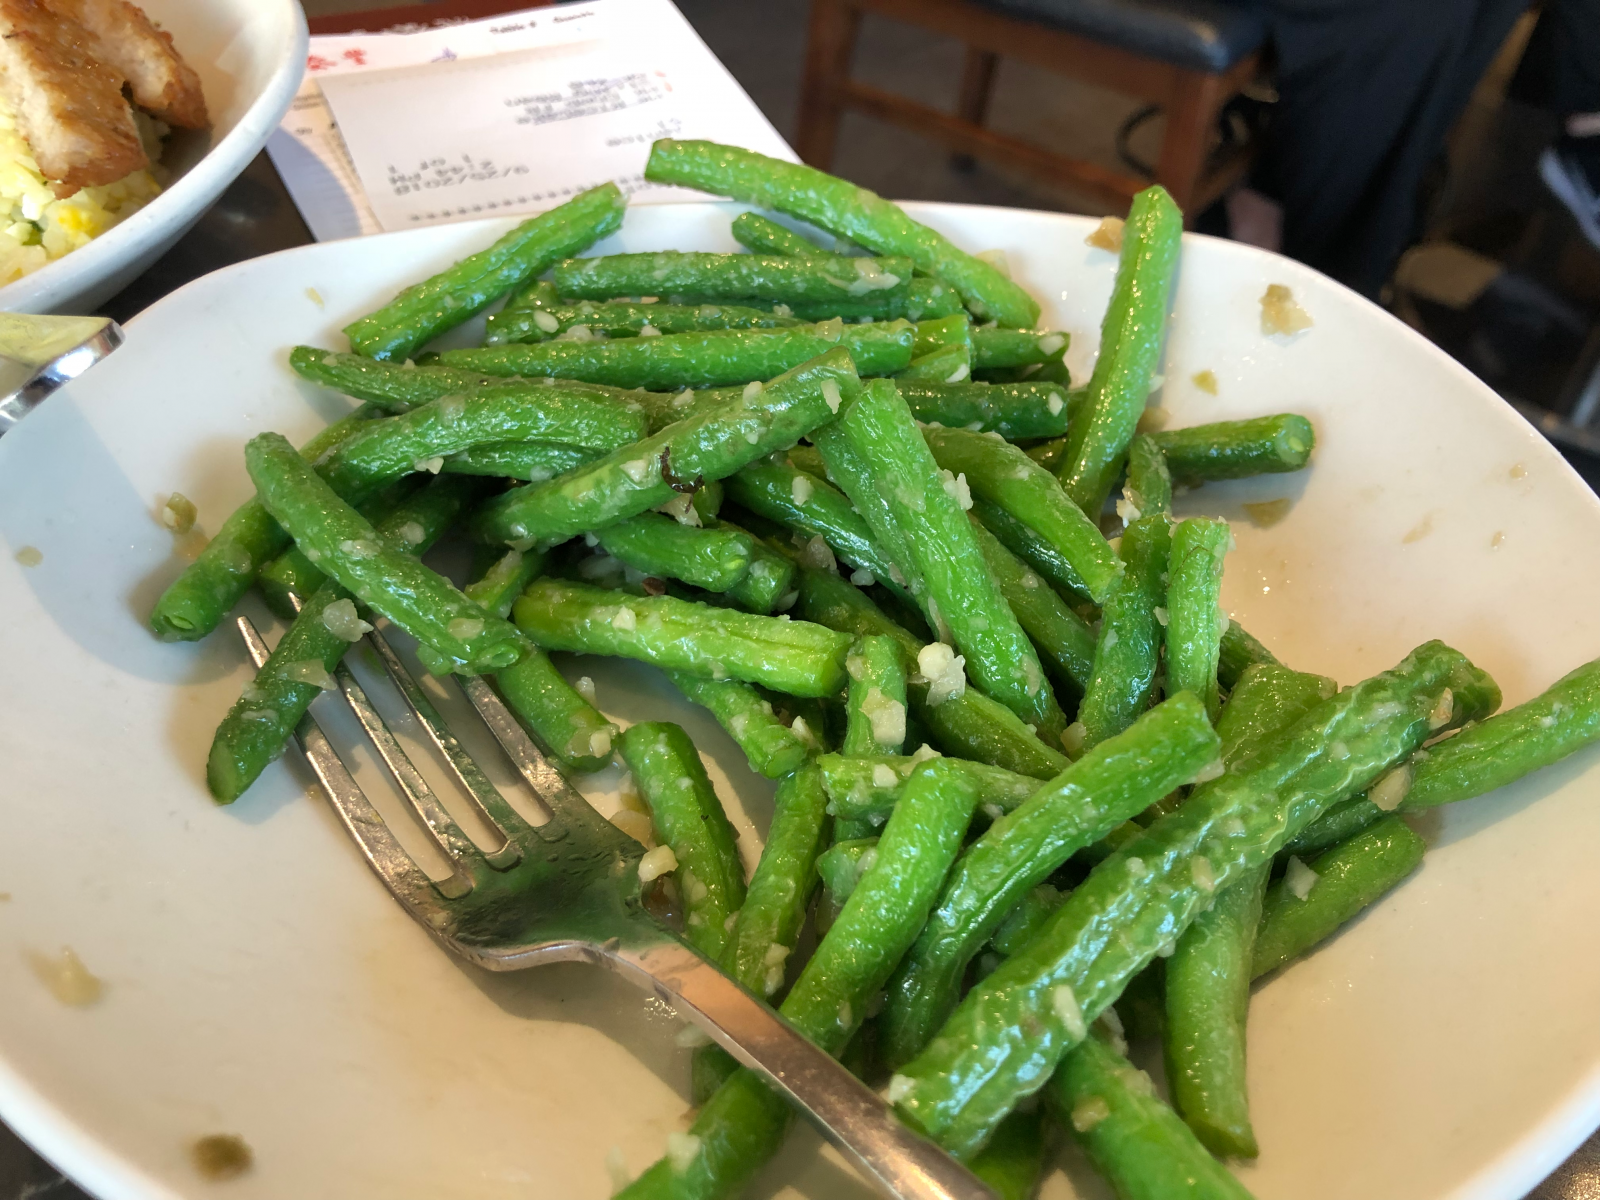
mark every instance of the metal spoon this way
{"type": "Point", "coordinates": [39, 354]}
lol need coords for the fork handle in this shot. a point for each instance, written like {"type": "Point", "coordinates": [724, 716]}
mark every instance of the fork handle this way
{"type": "Point", "coordinates": [849, 1114]}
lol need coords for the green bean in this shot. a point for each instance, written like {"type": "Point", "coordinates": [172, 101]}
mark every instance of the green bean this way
{"type": "Point", "coordinates": [425, 310]}
{"type": "Point", "coordinates": [1131, 337]}
{"type": "Point", "coordinates": [533, 462]}
{"type": "Point", "coordinates": [765, 236]}
{"type": "Point", "coordinates": [720, 358]}
{"type": "Point", "coordinates": [1267, 699]}
{"type": "Point", "coordinates": [1347, 879]}
{"type": "Point", "coordinates": [625, 318]}
{"type": "Point", "coordinates": [1014, 1160]}
{"type": "Point", "coordinates": [876, 700]}
{"type": "Point", "coordinates": [195, 602]}
{"type": "Point", "coordinates": [1026, 918]}
{"type": "Point", "coordinates": [841, 865]}
{"type": "Point", "coordinates": [816, 279]}
{"type": "Point", "coordinates": [995, 349]}
{"type": "Point", "coordinates": [688, 818]}
{"type": "Point", "coordinates": [1032, 549]}
{"type": "Point", "coordinates": [796, 657]}
{"type": "Point", "coordinates": [1011, 1030]}
{"type": "Point", "coordinates": [961, 594]}
{"type": "Point", "coordinates": [1013, 410]}
{"type": "Point", "coordinates": [1194, 613]}
{"type": "Point", "coordinates": [1237, 449]}
{"type": "Point", "coordinates": [297, 672]}
{"type": "Point", "coordinates": [1123, 775]}
{"type": "Point", "coordinates": [541, 293]}
{"type": "Point", "coordinates": [709, 444]}
{"type": "Point", "coordinates": [774, 750]}
{"type": "Point", "coordinates": [1238, 651]}
{"type": "Point", "coordinates": [737, 1130]}
{"type": "Point", "coordinates": [866, 787]}
{"type": "Point", "coordinates": [1005, 477]}
{"type": "Point", "coordinates": [713, 559]}
{"type": "Point", "coordinates": [344, 545]}
{"type": "Point", "coordinates": [946, 365]}
{"type": "Point", "coordinates": [769, 579]}
{"type": "Point", "coordinates": [1208, 994]}
{"type": "Point", "coordinates": [498, 587]}
{"type": "Point", "coordinates": [970, 725]}
{"type": "Point", "coordinates": [1128, 653]}
{"type": "Point", "coordinates": [923, 300]}
{"type": "Point", "coordinates": [941, 333]}
{"type": "Point", "coordinates": [291, 577]}
{"type": "Point", "coordinates": [1064, 642]}
{"type": "Point", "coordinates": [844, 210]}
{"type": "Point", "coordinates": [804, 501]}
{"type": "Point", "coordinates": [1149, 485]}
{"type": "Point", "coordinates": [1339, 823]}
{"type": "Point", "coordinates": [1133, 1139]}
{"type": "Point", "coordinates": [780, 889]}
{"type": "Point", "coordinates": [396, 387]}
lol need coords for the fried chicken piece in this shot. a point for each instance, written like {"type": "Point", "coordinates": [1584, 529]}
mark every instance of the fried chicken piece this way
{"type": "Point", "coordinates": [123, 38]}
{"type": "Point", "coordinates": [69, 104]}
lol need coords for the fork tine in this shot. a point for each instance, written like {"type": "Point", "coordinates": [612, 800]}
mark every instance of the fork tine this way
{"type": "Point", "coordinates": [405, 880]}
{"type": "Point", "coordinates": [492, 806]}
{"type": "Point", "coordinates": [547, 783]}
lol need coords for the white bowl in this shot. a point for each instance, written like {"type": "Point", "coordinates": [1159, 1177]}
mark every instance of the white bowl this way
{"type": "Point", "coordinates": [250, 55]}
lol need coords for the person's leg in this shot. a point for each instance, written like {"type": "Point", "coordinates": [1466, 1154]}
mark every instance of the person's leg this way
{"type": "Point", "coordinates": [1571, 166]}
{"type": "Point", "coordinates": [1368, 89]}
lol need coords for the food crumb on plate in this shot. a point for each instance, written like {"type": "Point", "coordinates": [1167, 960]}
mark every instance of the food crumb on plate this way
{"type": "Point", "coordinates": [316, 297]}
{"type": "Point", "coordinates": [1107, 235]}
{"type": "Point", "coordinates": [67, 978]}
{"type": "Point", "coordinates": [30, 556]}
{"type": "Point", "coordinates": [1498, 539]}
{"type": "Point", "coordinates": [1206, 381]}
{"type": "Point", "coordinates": [1419, 531]}
{"type": "Point", "coordinates": [178, 513]}
{"type": "Point", "coordinates": [1264, 514]}
{"type": "Point", "coordinates": [222, 1155]}
{"type": "Point", "coordinates": [1280, 313]}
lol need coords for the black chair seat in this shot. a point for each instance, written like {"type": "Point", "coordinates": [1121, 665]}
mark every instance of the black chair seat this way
{"type": "Point", "coordinates": [1199, 34]}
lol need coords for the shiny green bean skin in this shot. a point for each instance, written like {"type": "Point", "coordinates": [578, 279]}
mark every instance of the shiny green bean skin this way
{"type": "Point", "coordinates": [713, 559]}
{"type": "Point", "coordinates": [969, 725]}
{"type": "Point", "coordinates": [689, 818]}
{"type": "Point", "coordinates": [765, 236]}
{"type": "Point", "coordinates": [344, 545]}
{"type": "Point", "coordinates": [626, 318]}
{"type": "Point", "coordinates": [1194, 607]}
{"type": "Point", "coordinates": [804, 501]}
{"type": "Point", "coordinates": [722, 358]}
{"type": "Point", "coordinates": [875, 701]}
{"type": "Point", "coordinates": [1013, 410]}
{"type": "Point", "coordinates": [1026, 918]}
{"type": "Point", "coordinates": [541, 293]}
{"type": "Point", "coordinates": [1350, 877]}
{"type": "Point", "coordinates": [947, 364]}
{"type": "Point", "coordinates": [844, 210]}
{"type": "Point", "coordinates": [261, 721]}
{"type": "Point", "coordinates": [1009, 1033]}
{"type": "Point", "coordinates": [860, 787]}
{"type": "Point", "coordinates": [531, 462]}
{"type": "Point", "coordinates": [1004, 476]}
{"type": "Point", "coordinates": [1032, 549]}
{"type": "Point", "coordinates": [772, 748]}
{"type": "Point", "coordinates": [840, 866]}
{"type": "Point", "coordinates": [1133, 1139]}
{"type": "Point", "coordinates": [1127, 654]}
{"type": "Point", "coordinates": [1238, 651]}
{"type": "Point", "coordinates": [942, 332]}
{"type": "Point", "coordinates": [709, 444]}
{"type": "Point", "coordinates": [961, 594]}
{"type": "Point", "coordinates": [1120, 777]}
{"type": "Point", "coordinates": [1131, 339]}
{"type": "Point", "coordinates": [994, 348]}
{"type": "Point", "coordinates": [395, 387]}
{"type": "Point", "coordinates": [923, 300]}
{"type": "Point", "coordinates": [1014, 1160]}
{"type": "Point", "coordinates": [797, 657]}
{"type": "Point", "coordinates": [1237, 449]}
{"type": "Point", "coordinates": [828, 1001]}
{"type": "Point", "coordinates": [816, 279]}
{"type": "Point", "coordinates": [1149, 484]}
{"type": "Point", "coordinates": [1064, 641]}
{"type": "Point", "coordinates": [781, 888]}
{"type": "Point", "coordinates": [1267, 699]}
{"type": "Point", "coordinates": [1339, 823]}
{"type": "Point", "coordinates": [425, 310]}
{"type": "Point", "coordinates": [769, 579]}
{"type": "Point", "coordinates": [195, 602]}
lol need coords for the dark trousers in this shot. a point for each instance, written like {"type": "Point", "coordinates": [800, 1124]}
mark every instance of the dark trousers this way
{"type": "Point", "coordinates": [1368, 91]}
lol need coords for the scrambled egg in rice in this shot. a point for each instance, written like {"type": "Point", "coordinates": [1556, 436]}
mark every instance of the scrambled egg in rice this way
{"type": "Point", "coordinates": [37, 228]}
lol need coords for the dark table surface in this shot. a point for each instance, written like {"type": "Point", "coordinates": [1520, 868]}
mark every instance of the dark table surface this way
{"type": "Point", "coordinates": [254, 217]}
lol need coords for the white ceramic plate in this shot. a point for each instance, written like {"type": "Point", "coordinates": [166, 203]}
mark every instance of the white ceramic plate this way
{"type": "Point", "coordinates": [261, 983]}
{"type": "Point", "coordinates": [250, 55]}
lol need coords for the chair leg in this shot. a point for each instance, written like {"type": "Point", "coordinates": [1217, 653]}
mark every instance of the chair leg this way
{"type": "Point", "coordinates": [1195, 101]}
{"type": "Point", "coordinates": [829, 46]}
{"type": "Point", "coordinates": [972, 103]}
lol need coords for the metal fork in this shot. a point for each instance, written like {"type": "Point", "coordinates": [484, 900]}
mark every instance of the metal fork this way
{"type": "Point", "coordinates": [569, 890]}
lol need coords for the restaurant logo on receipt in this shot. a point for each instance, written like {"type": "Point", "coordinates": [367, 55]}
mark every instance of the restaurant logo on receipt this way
{"type": "Point", "coordinates": [508, 116]}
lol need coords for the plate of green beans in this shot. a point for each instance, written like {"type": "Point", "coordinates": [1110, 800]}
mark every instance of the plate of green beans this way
{"type": "Point", "coordinates": [1178, 717]}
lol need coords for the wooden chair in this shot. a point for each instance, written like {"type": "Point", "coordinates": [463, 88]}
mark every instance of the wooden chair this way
{"type": "Point", "coordinates": [1189, 57]}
